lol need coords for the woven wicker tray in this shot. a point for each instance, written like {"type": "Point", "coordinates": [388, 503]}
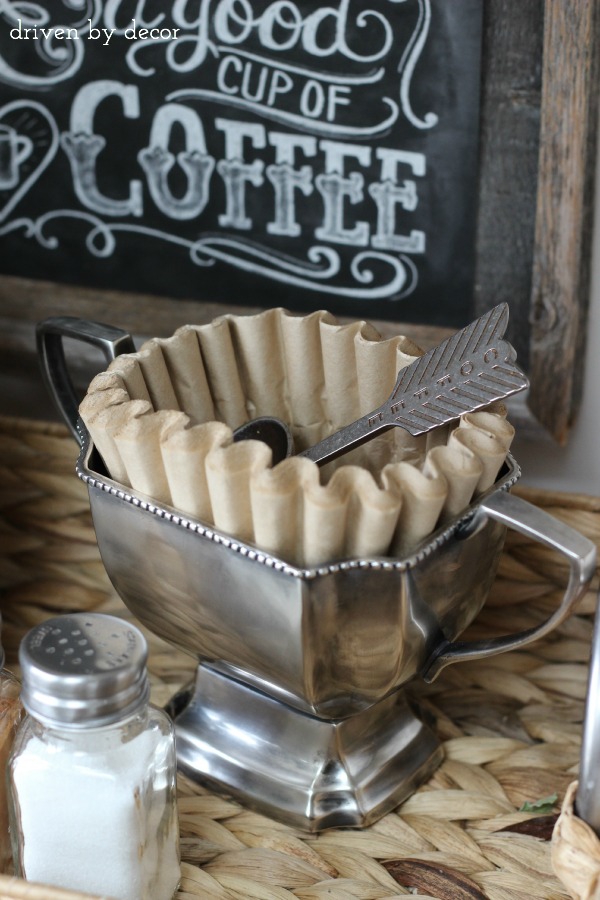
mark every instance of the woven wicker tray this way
{"type": "Point", "coordinates": [511, 725]}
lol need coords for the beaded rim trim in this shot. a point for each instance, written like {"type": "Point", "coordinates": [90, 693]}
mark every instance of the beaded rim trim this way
{"type": "Point", "coordinates": [98, 482]}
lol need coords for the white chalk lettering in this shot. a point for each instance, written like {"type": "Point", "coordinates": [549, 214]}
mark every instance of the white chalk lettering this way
{"type": "Point", "coordinates": [157, 162]}
{"type": "Point", "coordinates": [334, 188]}
{"type": "Point", "coordinates": [388, 195]}
{"type": "Point", "coordinates": [282, 26]}
{"type": "Point", "coordinates": [82, 147]}
{"type": "Point", "coordinates": [255, 84]}
{"type": "Point", "coordinates": [236, 173]}
{"type": "Point", "coordinates": [291, 177]}
{"type": "Point", "coordinates": [283, 130]}
{"type": "Point", "coordinates": [286, 180]}
{"type": "Point", "coordinates": [120, 24]}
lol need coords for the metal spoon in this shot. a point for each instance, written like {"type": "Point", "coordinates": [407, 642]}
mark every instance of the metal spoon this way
{"type": "Point", "coordinates": [272, 431]}
{"type": "Point", "coordinates": [464, 373]}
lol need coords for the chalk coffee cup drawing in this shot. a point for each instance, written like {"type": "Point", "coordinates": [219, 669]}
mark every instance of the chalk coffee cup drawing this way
{"type": "Point", "coordinates": [299, 705]}
{"type": "Point", "coordinates": [14, 150]}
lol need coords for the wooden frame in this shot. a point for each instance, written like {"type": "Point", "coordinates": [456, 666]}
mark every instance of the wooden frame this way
{"type": "Point", "coordinates": [541, 244]}
{"type": "Point", "coordinates": [538, 149]}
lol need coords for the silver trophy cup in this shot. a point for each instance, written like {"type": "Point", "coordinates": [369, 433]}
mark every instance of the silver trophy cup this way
{"type": "Point", "coordinates": [299, 706]}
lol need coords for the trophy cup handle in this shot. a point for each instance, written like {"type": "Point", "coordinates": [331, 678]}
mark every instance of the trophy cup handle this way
{"type": "Point", "coordinates": [49, 337]}
{"type": "Point", "coordinates": [544, 528]}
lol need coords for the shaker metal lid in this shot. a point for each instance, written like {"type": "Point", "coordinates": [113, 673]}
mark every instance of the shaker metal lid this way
{"type": "Point", "coordinates": [83, 670]}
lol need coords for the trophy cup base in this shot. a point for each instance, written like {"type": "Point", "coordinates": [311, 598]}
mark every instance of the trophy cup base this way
{"type": "Point", "coordinates": [308, 772]}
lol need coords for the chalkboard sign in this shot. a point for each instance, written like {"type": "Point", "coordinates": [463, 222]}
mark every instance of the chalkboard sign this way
{"type": "Point", "coordinates": [274, 152]}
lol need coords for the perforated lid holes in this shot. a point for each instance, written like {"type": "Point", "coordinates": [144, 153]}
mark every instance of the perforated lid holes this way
{"type": "Point", "coordinates": [83, 670]}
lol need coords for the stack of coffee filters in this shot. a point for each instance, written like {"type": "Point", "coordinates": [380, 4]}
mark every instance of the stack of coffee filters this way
{"type": "Point", "coordinates": [163, 418]}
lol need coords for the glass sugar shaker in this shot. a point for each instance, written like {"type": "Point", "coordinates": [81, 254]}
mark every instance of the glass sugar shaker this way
{"type": "Point", "coordinates": [11, 713]}
{"type": "Point", "coordinates": [92, 794]}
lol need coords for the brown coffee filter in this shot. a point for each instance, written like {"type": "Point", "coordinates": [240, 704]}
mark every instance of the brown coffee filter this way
{"type": "Point", "coordinates": [461, 470]}
{"type": "Point", "coordinates": [423, 496]}
{"type": "Point", "coordinates": [301, 344]}
{"type": "Point", "coordinates": [128, 369]}
{"type": "Point", "coordinates": [139, 442]}
{"type": "Point", "coordinates": [184, 453]}
{"type": "Point", "coordinates": [183, 360]}
{"type": "Point", "coordinates": [488, 448]}
{"type": "Point", "coordinates": [157, 376]}
{"type": "Point", "coordinates": [276, 496]}
{"type": "Point", "coordinates": [229, 471]}
{"type": "Point", "coordinates": [261, 365]}
{"type": "Point", "coordinates": [103, 419]}
{"type": "Point", "coordinates": [163, 420]}
{"type": "Point", "coordinates": [221, 371]}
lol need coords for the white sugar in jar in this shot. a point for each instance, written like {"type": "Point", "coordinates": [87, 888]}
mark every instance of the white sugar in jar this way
{"type": "Point", "coordinates": [92, 771]}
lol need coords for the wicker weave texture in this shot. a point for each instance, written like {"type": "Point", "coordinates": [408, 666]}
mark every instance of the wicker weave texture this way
{"type": "Point", "coordinates": [510, 725]}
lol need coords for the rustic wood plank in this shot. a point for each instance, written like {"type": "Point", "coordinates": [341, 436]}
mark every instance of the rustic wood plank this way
{"type": "Point", "coordinates": [561, 265]}
{"type": "Point", "coordinates": [29, 301]}
{"type": "Point", "coordinates": [508, 161]}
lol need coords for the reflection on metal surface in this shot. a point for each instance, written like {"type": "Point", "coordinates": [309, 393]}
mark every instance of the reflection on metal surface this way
{"type": "Point", "coordinates": [299, 708]}
{"type": "Point", "coordinates": [587, 802]}
{"type": "Point", "coordinates": [311, 772]}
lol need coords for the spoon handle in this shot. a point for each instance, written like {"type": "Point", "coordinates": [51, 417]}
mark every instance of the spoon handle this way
{"type": "Point", "coordinates": [349, 437]}
{"type": "Point", "coordinates": [464, 373]}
